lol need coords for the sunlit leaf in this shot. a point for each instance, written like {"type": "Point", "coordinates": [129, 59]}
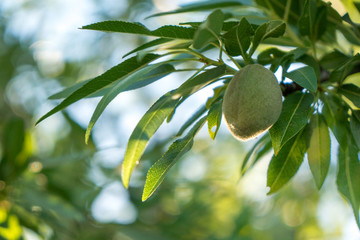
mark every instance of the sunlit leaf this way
{"type": "Point", "coordinates": [214, 118]}
{"type": "Point", "coordinates": [286, 163]}
{"type": "Point", "coordinates": [253, 154]}
{"type": "Point", "coordinates": [124, 69]}
{"type": "Point", "coordinates": [293, 118]}
{"type": "Point", "coordinates": [191, 120]}
{"type": "Point", "coordinates": [169, 31]}
{"type": "Point", "coordinates": [319, 149]}
{"type": "Point", "coordinates": [150, 44]}
{"type": "Point", "coordinates": [237, 40]}
{"type": "Point", "coordinates": [270, 29]}
{"type": "Point", "coordinates": [348, 178]}
{"type": "Point", "coordinates": [202, 6]}
{"type": "Point", "coordinates": [143, 77]}
{"type": "Point", "coordinates": [305, 77]}
{"type": "Point", "coordinates": [143, 131]}
{"type": "Point", "coordinates": [209, 30]}
{"type": "Point", "coordinates": [157, 172]}
{"type": "Point", "coordinates": [192, 85]}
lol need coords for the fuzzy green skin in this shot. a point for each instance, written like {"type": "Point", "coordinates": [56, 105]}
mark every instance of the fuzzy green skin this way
{"type": "Point", "coordinates": [252, 102]}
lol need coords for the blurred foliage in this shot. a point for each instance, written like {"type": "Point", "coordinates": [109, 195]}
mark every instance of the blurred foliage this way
{"type": "Point", "coordinates": [48, 187]}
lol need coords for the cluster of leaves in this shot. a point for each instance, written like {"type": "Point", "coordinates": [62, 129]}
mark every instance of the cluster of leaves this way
{"type": "Point", "coordinates": [320, 96]}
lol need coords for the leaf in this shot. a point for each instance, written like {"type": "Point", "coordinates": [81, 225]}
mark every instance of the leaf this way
{"type": "Point", "coordinates": [293, 118]}
{"type": "Point", "coordinates": [333, 60]}
{"type": "Point", "coordinates": [168, 31]}
{"type": "Point", "coordinates": [237, 40]}
{"type": "Point", "coordinates": [348, 177]}
{"type": "Point", "coordinates": [305, 77]}
{"type": "Point", "coordinates": [157, 172]}
{"type": "Point", "coordinates": [355, 128]}
{"type": "Point", "coordinates": [124, 69]}
{"type": "Point", "coordinates": [143, 131]}
{"type": "Point", "coordinates": [319, 149]}
{"type": "Point", "coordinates": [191, 120]}
{"type": "Point", "coordinates": [209, 30]}
{"type": "Point", "coordinates": [340, 73]}
{"type": "Point", "coordinates": [147, 45]}
{"type": "Point", "coordinates": [141, 78]}
{"type": "Point", "coordinates": [253, 155]}
{"type": "Point", "coordinates": [313, 20]}
{"type": "Point", "coordinates": [335, 116]}
{"type": "Point", "coordinates": [351, 92]}
{"type": "Point", "coordinates": [193, 85]}
{"type": "Point", "coordinates": [202, 6]}
{"type": "Point", "coordinates": [272, 29]}
{"type": "Point", "coordinates": [214, 118]}
{"type": "Point", "coordinates": [286, 163]}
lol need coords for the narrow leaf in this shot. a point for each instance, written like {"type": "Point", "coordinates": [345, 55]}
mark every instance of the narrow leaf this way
{"type": "Point", "coordinates": [319, 149]}
{"type": "Point", "coordinates": [237, 40]}
{"type": "Point", "coordinates": [153, 43]}
{"type": "Point", "coordinates": [193, 85]}
{"type": "Point", "coordinates": [209, 30]}
{"type": "Point", "coordinates": [123, 69]}
{"type": "Point", "coordinates": [336, 118]}
{"type": "Point", "coordinates": [272, 29]}
{"type": "Point", "coordinates": [169, 31]}
{"type": "Point", "coordinates": [202, 6]}
{"type": "Point", "coordinates": [305, 77]}
{"type": "Point", "coordinates": [141, 78]}
{"type": "Point", "coordinates": [252, 155]}
{"type": "Point", "coordinates": [285, 165]}
{"type": "Point", "coordinates": [214, 118]}
{"type": "Point", "coordinates": [293, 118]}
{"type": "Point", "coordinates": [157, 172]}
{"type": "Point", "coordinates": [191, 120]}
{"type": "Point", "coordinates": [355, 129]}
{"type": "Point", "coordinates": [143, 131]}
{"type": "Point", "coordinates": [348, 178]}
{"type": "Point", "coordinates": [351, 92]}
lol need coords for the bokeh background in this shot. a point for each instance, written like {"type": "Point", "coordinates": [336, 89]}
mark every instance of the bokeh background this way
{"type": "Point", "coordinates": [54, 186]}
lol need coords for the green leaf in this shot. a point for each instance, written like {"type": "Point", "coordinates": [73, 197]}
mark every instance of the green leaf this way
{"type": "Point", "coordinates": [253, 155]}
{"type": "Point", "coordinates": [143, 131]}
{"type": "Point", "coordinates": [340, 73]}
{"type": "Point", "coordinates": [336, 118]}
{"type": "Point", "coordinates": [170, 31]}
{"type": "Point", "coordinates": [214, 118]}
{"type": "Point", "coordinates": [355, 128]}
{"type": "Point", "coordinates": [157, 172]}
{"type": "Point", "coordinates": [124, 69]}
{"type": "Point", "coordinates": [348, 178]}
{"type": "Point", "coordinates": [237, 40]}
{"type": "Point", "coordinates": [194, 84]}
{"type": "Point", "coordinates": [333, 60]}
{"type": "Point", "coordinates": [307, 20]}
{"type": "Point", "coordinates": [209, 30]}
{"type": "Point", "coordinates": [351, 92]}
{"type": "Point", "coordinates": [313, 20]}
{"type": "Point", "coordinates": [272, 29]}
{"type": "Point", "coordinates": [155, 42]}
{"type": "Point", "coordinates": [13, 139]}
{"type": "Point", "coordinates": [305, 77]}
{"type": "Point", "coordinates": [202, 6]}
{"type": "Point", "coordinates": [143, 77]}
{"type": "Point", "coordinates": [293, 118]}
{"type": "Point", "coordinates": [319, 149]}
{"type": "Point", "coordinates": [286, 163]}
{"type": "Point", "coordinates": [191, 120]}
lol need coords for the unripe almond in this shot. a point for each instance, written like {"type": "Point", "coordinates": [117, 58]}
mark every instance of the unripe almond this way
{"type": "Point", "coordinates": [252, 102]}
